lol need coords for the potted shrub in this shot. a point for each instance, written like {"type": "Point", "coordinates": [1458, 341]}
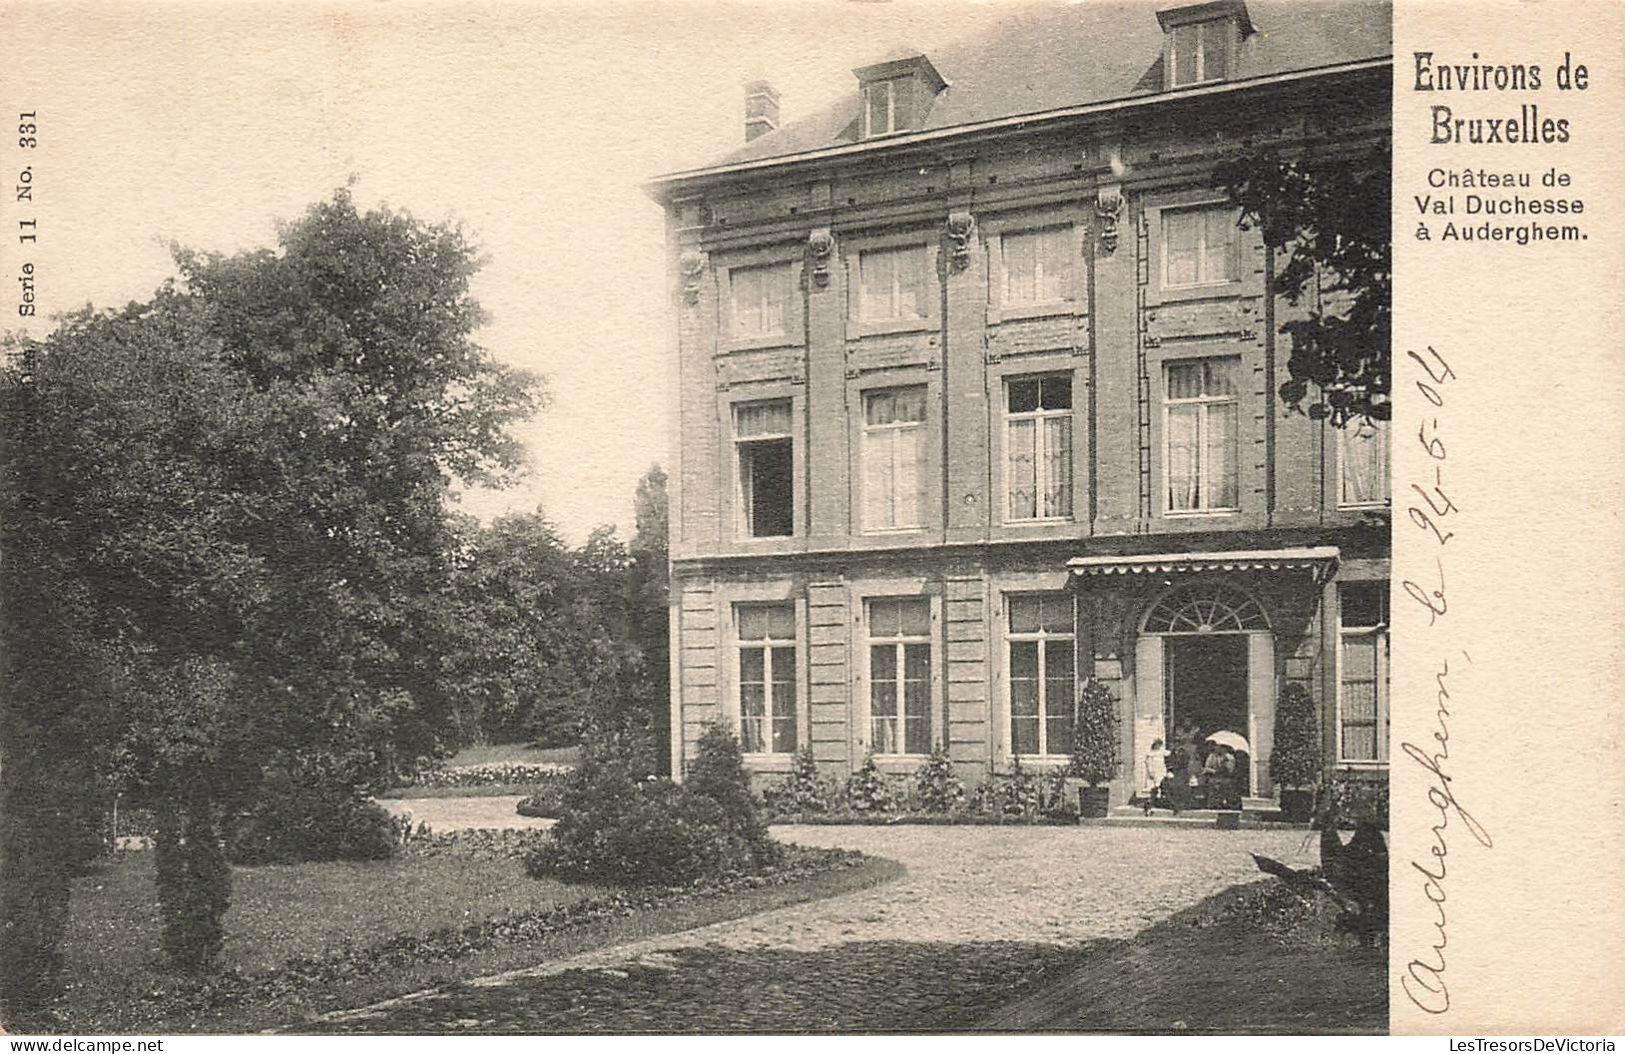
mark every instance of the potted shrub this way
{"type": "Point", "coordinates": [1295, 759]}
{"type": "Point", "coordinates": [1096, 758]}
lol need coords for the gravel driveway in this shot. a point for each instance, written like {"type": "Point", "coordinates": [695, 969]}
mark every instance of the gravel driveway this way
{"type": "Point", "coordinates": [982, 914]}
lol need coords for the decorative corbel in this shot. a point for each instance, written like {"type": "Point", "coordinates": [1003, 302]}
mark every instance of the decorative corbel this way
{"type": "Point", "coordinates": [961, 225]}
{"type": "Point", "coordinates": [1108, 207]}
{"type": "Point", "coordinates": [820, 250]}
{"type": "Point", "coordinates": [691, 265]}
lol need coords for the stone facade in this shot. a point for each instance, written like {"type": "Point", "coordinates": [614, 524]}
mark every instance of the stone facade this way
{"type": "Point", "coordinates": [1119, 340]}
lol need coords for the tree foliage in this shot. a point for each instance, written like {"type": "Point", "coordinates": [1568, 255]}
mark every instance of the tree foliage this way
{"type": "Point", "coordinates": [648, 608]}
{"type": "Point", "coordinates": [226, 544]}
{"type": "Point", "coordinates": [1295, 759]}
{"type": "Point", "coordinates": [1331, 218]}
{"type": "Point", "coordinates": [542, 631]}
{"type": "Point", "coordinates": [1096, 754]}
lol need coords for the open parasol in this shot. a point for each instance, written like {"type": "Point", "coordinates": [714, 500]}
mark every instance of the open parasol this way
{"type": "Point", "coordinates": [1233, 740]}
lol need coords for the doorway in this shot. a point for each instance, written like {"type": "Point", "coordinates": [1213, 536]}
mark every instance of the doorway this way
{"type": "Point", "coordinates": [1206, 685]}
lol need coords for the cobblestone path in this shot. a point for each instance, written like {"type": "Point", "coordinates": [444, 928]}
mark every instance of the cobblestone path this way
{"type": "Point", "coordinates": [983, 914]}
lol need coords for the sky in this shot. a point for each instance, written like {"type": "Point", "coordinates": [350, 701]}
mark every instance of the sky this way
{"type": "Point", "coordinates": [533, 125]}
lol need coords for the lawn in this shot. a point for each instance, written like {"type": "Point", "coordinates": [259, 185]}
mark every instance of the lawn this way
{"type": "Point", "coordinates": [280, 911]}
{"type": "Point", "coordinates": [514, 753]}
{"type": "Point", "coordinates": [114, 963]}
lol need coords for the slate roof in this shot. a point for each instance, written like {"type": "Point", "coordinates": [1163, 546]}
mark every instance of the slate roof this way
{"type": "Point", "coordinates": [1052, 58]}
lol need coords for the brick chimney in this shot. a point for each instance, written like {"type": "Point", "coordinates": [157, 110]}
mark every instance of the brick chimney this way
{"type": "Point", "coordinates": [761, 109]}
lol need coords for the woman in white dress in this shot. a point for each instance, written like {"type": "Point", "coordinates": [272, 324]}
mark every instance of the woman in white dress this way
{"type": "Point", "coordinates": [1154, 773]}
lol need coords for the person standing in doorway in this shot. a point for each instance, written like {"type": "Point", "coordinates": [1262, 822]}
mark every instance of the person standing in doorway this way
{"type": "Point", "coordinates": [1155, 768]}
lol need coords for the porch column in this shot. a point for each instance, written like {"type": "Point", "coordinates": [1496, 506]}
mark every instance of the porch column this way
{"type": "Point", "coordinates": [1145, 722]}
{"type": "Point", "coordinates": [1261, 693]}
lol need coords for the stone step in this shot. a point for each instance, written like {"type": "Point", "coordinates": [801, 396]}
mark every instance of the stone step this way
{"type": "Point", "coordinates": [1255, 813]}
{"type": "Point", "coordinates": [1248, 805]}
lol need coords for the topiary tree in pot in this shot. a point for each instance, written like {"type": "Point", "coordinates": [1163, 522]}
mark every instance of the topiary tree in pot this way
{"type": "Point", "coordinates": [1096, 753]}
{"type": "Point", "coordinates": [1295, 760]}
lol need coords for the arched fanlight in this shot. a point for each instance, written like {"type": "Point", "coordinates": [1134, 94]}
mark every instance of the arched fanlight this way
{"type": "Point", "coordinates": [1205, 609]}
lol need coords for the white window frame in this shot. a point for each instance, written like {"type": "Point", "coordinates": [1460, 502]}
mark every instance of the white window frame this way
{"type": "Point", "coordinates": [897, 287]}
{"type": "Point", "coordinates": [899, 643]}
{"type": "Point", "coordinates": [1039, 417]}
{"type": "Point", "coordinates": [1380, 433]}
{"type": "Point", "coordinates": [1065, 233]}
{"type": "Point", "coordinates": [1233, 267]}
{"type": "Point", "coordinates": [1381, 672]}
{"type": "Point", "coordinates": [781, 273]}
{"type": "Point", "coordinates": [766, 645]}
{"type": "Point", "coordinates": [742, 479]}
{"type": "Point", "coordinates": [1044, 639]}
{"type": "Point", "coordinates": [1203, 463]}
{"type": "Point", "coordinates": [893, 435]}
{"type": "Point", "coordinates": [1203, 29]}
{"type": "Point", "coordinates": [891, 107]}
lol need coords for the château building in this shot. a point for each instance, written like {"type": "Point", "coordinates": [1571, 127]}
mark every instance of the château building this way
{"type": "Point", "coordinates": [975, 377]}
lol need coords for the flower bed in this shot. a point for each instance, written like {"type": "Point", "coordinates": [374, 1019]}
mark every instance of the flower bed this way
{"type": "Point", "coordinates": [931, 795]}
{"type": "Point", "coordinates": [490, 774]}
{"type": "Point", "coordinates": [926, 819]}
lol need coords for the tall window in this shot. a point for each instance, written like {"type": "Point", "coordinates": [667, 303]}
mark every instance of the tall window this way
{"type": "Point", "coordinates": [1362, 665]}
{"type": "Point", "coordinates": [888, 106]}
{"type": "Point", "coordinates": [767, 678]}
{"type": "Point", "coordinates": [766, 468]}
{"type": "Point", "coordinates": [893, 455]}
{"type": "Point", "coordinates": [759, 296]}
{"type": "Point", "coordinates": [892, 284]}
{"type": "Point", "coordinates": [1199, 427]}
{"type": "Point", "coordinates": [1200, 52]}
{"type": "Point", "coordinates": [1038, 266]}
{"type": "Point", "coordinates": [1038, 447]}
{"type": "Point", "coordinates": [1198, 246]}
{"type": "Point", "coordinates": [900, 676]}
{"type": "Point", "coordinates": [1042, 679]}
{"type": "Point", "coordinates": [1362, 463]}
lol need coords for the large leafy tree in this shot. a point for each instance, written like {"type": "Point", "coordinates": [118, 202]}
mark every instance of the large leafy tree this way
{"type": "Point", "coordinates": [226, 547]}
{"type": "Point", "coordinates": [542, 631]}
{"type": "Point", "coordinates": [1329, 222]}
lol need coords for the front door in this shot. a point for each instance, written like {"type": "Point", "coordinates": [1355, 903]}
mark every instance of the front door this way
{"type": "Point", "coordinates": [1206, 679]}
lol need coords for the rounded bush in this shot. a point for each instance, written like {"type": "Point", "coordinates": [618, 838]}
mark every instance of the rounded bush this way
{"type": "Point", "coordinates": [299, 824]}
{"type": "Point", "coordinates": [620, 825]}
{"type": "Point", "coordinates": [546, 801]}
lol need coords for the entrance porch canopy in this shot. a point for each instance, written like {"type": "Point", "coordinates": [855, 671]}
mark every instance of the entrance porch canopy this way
{"type": "Point", "coordinates": [1321, 560]}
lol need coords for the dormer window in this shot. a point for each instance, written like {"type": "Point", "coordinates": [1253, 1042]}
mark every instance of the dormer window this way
{"type": "Point", "coordinates": [1200, 52]}
{"type": "Point", "coordinates": [1202, 41]}
{"type": "Point", "coordinates": [888, 106]}
{"type": "Point", "coordinates": [896, 94]}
